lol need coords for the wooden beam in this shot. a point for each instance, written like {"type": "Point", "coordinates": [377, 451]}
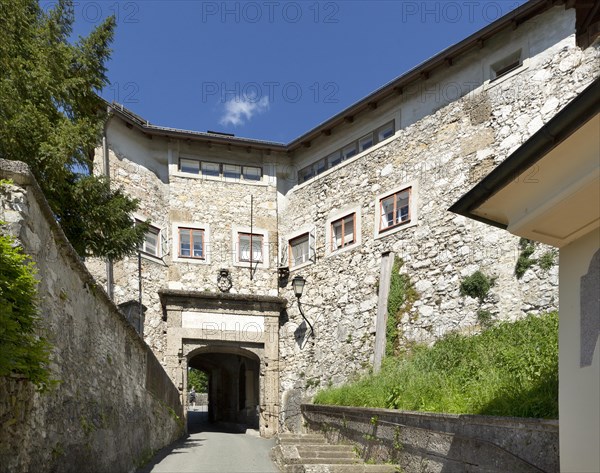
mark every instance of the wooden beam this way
{"type": "Point", "coordinates": [349, 119]}
{"type": "Point", "coordinates": [372, 105]}
{"type": "Point", "coordinates": [326, 132]}
{"type": "Point", "coordinates": [385, 276]}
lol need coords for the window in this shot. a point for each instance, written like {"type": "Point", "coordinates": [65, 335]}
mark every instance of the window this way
{"type": "Point", "coordinates": [506, 65]}
{"type": "Point", "coordinates": [319, 167]}
{"type": "Point", "coordinates": [252, 173]}
{"type": "Point", "coordinates": [349, 151]}
{"type": "Point", "coordinates": [250, 247]}
{"type": "Point", "coordinates": [191, 243]}
{"type": "Point", "coordinates": [189, 165]}
{"type": "Point", "coordinates": [299, 248]}
{"type": "Point", "coordinates": [395, 209]}
{"type": "Point", "coordinates": [365, 142]}
{"type": "Point", "coordinates": [210, 169]}
{"type": "Point", "coordinates": [385, 131]}
{"type": "Point", "coordinates": [151, 242]}
{"type": "Point", "coordinates": [343, 232]}
{"type": "Point", "coordinates": [231, 171]}
{"type": "Point", "coordinates": [305, 174]}
{"type": "Point", "coordinates": [334, 158]}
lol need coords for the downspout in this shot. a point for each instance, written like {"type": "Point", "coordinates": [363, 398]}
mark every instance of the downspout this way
{"type": "Point", "coordinates": [105, 155]}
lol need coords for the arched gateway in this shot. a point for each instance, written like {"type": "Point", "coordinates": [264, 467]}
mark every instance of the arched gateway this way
{"type": "Point", "coordinates": [235, 339]}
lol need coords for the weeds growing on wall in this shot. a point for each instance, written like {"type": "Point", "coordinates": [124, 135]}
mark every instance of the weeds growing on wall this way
{"type": "Point", "coordinates": [401, 298]}
{"type": "Point", "coordinates": [525, 261]}
{"type": "Point", "coordinates": [508, 370]}
{"type": "Point", "coordinates": [22, 350]}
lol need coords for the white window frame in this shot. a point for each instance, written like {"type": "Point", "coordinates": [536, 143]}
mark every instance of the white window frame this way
{"type": "Point", "coordinates": [260, 173]}
{"type": "Point", "coordinates": [196, 161]}
{"type": "Point", "coordinates": [413, 209]}
{"type": "Point", "coordinates": [161, 240]}
{"type": "Point", "coordinates": [335, 216]}
{"type": "Point", "coordinates": [192, 226]}
{"type": "Point", "coordinates": [208, 165]}
{"type": "Point", "coordinates": [312, 247]}
{"type": "Point", "coordinates": [266, 255]}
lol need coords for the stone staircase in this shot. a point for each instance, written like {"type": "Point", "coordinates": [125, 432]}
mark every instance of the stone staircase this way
{"type": "Point", "coordinates": [310, 453]}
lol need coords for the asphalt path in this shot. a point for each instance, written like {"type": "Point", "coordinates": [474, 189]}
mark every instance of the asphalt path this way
{"type": "Point", "coordinates": [212, 449]}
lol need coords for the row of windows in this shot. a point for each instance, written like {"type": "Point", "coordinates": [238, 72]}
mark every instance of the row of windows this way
{"type": "Point", "coordinates": [228, 171]}
{"type": "Point", "coordinates": [191, 243]}
{"type": "Point", "coordinates": [346, 152]}
{"type": "Point", "coordinates": [394, 211]}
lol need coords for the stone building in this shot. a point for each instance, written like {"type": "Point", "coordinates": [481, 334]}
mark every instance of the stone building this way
{"type": "Point", "coordinates": [235, 219]}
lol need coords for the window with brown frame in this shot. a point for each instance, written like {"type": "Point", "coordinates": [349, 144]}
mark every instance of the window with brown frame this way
{"type": "Point", "coordinates": [343, 232]}
{"type": "Point", "coordinates": [395, 209]}
{"type": "Point", "coordinates": [250, 247]}
{"type": "Point", "coordinates": [191, 243]}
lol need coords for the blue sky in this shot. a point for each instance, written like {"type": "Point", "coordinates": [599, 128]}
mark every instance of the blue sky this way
{"type": "Point", "coordinates": [269, 69]}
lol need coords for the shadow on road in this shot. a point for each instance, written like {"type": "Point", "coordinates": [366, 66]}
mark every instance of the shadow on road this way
{"type": "Point", "coordinates": [197, 423]}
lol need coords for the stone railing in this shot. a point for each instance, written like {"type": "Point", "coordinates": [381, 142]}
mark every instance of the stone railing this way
{"type": "Point", "coordinates": [444, 443]}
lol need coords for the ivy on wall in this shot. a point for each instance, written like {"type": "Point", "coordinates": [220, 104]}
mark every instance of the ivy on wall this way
{"type": "Point", "coordinates": [22, 350]}
{"type": "Point", "coordinates": [401, 298]}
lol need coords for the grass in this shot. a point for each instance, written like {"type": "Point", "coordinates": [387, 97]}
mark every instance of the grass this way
{"type": "Point", "coordinates": [508, 370]}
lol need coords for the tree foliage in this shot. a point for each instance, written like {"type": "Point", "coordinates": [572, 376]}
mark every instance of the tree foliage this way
{"type": "Point", "coordinates": [52, 118]}
{"type": "Point", "coordinates": [198, 380]}
{"type": "Point", "coordinates": [21, 350]}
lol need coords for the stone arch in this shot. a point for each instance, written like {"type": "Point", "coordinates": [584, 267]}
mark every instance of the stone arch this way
{"type": "Point", "coordinates": [219, 331]}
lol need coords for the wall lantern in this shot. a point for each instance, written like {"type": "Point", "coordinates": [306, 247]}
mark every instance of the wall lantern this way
{"type": "Point", "coordinates": [224, 282]}
{"type": "Point", "coordinates": [298, 286]}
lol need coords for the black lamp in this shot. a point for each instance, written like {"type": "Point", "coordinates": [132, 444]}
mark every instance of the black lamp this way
{"type": "Point", "coordinates": [298, 285]}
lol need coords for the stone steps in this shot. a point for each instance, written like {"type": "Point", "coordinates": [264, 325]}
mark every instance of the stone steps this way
{"type": "Point", "coordinates": [310, 453]}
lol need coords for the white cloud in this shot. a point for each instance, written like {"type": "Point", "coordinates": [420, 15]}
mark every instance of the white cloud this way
{"type": "Point", "coordinates": [241, 109]}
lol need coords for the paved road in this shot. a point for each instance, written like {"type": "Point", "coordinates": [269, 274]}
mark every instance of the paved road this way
{"type": "Point", "coordinates": [209, 450]}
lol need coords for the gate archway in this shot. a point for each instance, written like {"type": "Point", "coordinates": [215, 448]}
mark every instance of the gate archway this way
{"type": "Point", "coordinates": [234, 338]}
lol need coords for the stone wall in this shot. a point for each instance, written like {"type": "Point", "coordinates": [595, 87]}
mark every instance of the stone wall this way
{"type": "Point", "coordinates": [114, 404]}
{"type": "Point", "coordinates": [426, 442]}
{"type": "Point", "coordinates": [441, 156]}
{"type": "Point", "coordinates": [148, 171]}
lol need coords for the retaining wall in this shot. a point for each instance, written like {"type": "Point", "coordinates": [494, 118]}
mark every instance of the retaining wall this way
{"type": "Point", "coordinates": [441, 443]}
{"type": "Point", "coordinates": [114, 404]}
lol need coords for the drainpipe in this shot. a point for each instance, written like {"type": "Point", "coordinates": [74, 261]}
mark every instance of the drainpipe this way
{"type": "Point", "coordinates": [105, 155]}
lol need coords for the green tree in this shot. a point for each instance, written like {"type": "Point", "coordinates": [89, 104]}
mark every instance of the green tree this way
{"type": "Point", "coordinates": [198, 379]}
{"type": "Point", "coordinates": [52, 118]}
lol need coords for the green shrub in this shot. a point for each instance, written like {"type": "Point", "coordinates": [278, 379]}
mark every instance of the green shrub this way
{"type": "Point", "coordinates": [508, 370]}
{"type": "Point", "coordinates": [476, 286]}
{"type": "Point", "coordinates": [22, 351]}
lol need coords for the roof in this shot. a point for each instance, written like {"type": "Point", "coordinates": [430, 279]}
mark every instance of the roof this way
{"type": "Point", "coordinates": [394, 88]}
{"type": "Point", "coordinates": [564, 124]}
